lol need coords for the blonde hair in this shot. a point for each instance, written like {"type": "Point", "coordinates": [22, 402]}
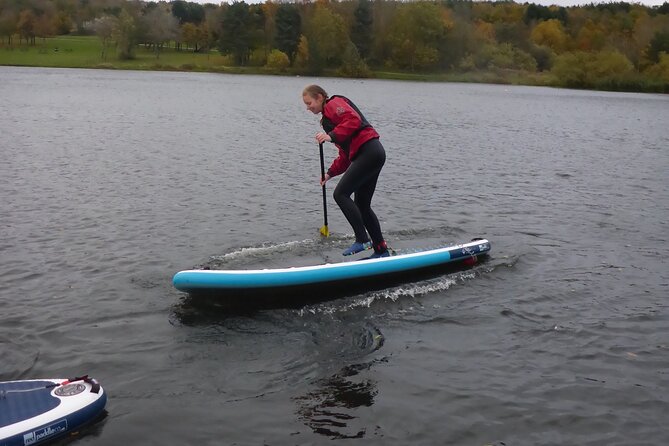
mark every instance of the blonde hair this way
{"type": "Point", "coordinates": [314, 90]}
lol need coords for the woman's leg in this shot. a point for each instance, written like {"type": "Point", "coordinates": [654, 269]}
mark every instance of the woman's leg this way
{"type": "Point", "coordinates": [361, 178]}
{"type": "Point", "coordinates": [363, 200]}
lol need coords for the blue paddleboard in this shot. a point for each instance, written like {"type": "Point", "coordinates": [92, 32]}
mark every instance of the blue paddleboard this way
{"type": "Point", "coordinates": [383, 272]}
{"type": "Point", "coordinates": [37, 411]}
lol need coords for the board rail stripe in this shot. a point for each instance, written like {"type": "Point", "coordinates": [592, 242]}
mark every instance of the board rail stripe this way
{"type": "Point", "coordinates": [193, 280]}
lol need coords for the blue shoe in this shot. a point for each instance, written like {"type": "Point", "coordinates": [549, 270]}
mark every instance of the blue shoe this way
{"type": "Point", "coordinates": [357, 247]}
{"type": "Point", "coordinates": [378, 255]}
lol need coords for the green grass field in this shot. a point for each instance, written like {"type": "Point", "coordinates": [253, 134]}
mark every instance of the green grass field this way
{"type": "Point", "coordinates": [86, 52]}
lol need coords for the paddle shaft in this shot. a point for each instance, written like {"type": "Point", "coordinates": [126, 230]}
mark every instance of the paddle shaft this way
{"type": "Point", "coordinates": [325, 207]}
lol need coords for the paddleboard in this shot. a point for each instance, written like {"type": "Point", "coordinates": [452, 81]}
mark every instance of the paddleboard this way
{"type": "Point", "coordinates": [37, 411]}
{"type": "Point", "coordinates": [329, 278]}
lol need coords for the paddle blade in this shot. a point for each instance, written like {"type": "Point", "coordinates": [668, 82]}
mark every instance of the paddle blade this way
{"type": "Point", "coordinates": [324, 231]}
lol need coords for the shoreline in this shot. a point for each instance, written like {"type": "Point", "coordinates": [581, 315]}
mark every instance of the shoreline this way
{"type": "Point", "coordinates": [86, 52]}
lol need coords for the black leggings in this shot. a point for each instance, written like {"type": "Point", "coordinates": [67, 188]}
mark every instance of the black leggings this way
{"type": "Point", "coordinates": [361, 177]}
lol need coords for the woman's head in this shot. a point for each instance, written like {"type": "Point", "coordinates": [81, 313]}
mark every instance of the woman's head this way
{"type": "Point", "coordinates": [314, 97]}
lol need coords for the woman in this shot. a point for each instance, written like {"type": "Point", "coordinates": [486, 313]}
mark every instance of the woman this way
{"type": "Point", "coordinates": [361, 157]}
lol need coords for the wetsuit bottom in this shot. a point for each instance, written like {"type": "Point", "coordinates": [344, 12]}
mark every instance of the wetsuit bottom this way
{"type": "Point", "coordinates": [360, 178]}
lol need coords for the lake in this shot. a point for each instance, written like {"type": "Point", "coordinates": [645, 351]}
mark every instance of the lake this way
{"type": "Point", "coordinates": [112, 181]}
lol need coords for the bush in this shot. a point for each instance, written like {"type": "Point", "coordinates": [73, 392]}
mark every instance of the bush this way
{"type": "Point", "coordinates": [278, 61]}
{"type": "Point", "coordinates": [610, 64]}
{"type": "Point", "coordinates": [505, 56]}
{"type": "Point", "coordinates": [467, 63]}
{"type": "Point", "coordinates": [570, 69]}
{"type": "Point", "coordinates": [352, 64]}
{"type": "Point", "coordinates": [608, 70]}
{"type": "Point", "coordinates": [660, 71]}
{"type": "Point", "coordinates": [543, 56]}
{"type": "Point", "coordinates": [258, 58]}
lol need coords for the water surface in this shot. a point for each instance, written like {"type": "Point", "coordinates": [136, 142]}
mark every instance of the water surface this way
{"type": "Point", "coordinates": [113, 181]}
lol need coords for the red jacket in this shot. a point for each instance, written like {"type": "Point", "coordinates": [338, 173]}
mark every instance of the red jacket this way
{"type": "Point", "coordinates": [347, 128]}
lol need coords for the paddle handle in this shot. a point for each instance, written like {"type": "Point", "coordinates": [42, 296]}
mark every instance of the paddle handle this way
{"type": "Point", "coordinates": [325, 207]}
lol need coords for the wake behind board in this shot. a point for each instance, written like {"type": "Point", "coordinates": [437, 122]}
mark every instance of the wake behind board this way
{"type": "Point", "coordinates": [319, 282]}
{"type": "Point", "coordinates": [38, 411]}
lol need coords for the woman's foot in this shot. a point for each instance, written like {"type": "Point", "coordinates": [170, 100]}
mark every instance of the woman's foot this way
{"type": "Point", "coordinates": [378, 255]}
{"type": "Point", "coordinates": [380, 250]}
{"type": "Point", "coordinates": [357, 247]}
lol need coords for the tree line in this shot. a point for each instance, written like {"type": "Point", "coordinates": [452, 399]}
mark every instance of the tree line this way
{"type": "Point", "coordinates": [610, 45]}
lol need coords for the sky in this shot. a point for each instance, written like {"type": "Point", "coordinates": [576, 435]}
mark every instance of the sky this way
{"type": "Point", "coordinates": [536, 2]}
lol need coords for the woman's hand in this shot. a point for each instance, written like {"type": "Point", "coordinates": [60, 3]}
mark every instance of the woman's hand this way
{"type": "Point", "coordinates": [325, 180]}
{"type": "Point", "coordinates": [321, 137]}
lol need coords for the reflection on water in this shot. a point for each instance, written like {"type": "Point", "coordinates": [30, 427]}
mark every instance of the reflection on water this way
{"type": "Point", "coordinates": [333, 408]}
{"type": "Point", "coordinates": [330, 409]}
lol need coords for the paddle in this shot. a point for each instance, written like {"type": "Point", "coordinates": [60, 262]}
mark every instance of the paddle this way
{"type": "Point", "coordinates": [324, 229]}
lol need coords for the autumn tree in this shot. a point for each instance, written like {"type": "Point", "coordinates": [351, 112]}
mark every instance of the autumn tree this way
{"type": "Point", "coordinates": [485, 31]}
{"type": "Point", "coordinates": [507, 21]}
{"type": "Point", "coordinates": [288, 29]}
{"type": "Point", "coordinates": [83, 13]}
{"type": "Point", "coordinates": [211, 26]}
{"type": "Point", "coordinates": [538, 13]}
{"type": "Point", "coordinates": [241, 26]}
{"type": "Point", "coordinates": [462, 39]}
{"type": "Point", "coordinates": [161, 26]}
{"type": "Point", "coordinates": [498, 12]}
{"type": "Point", "coordinates": [195, 36]}
{"type": "Point", "coordinates": [125, 35]}
{"type": "Point", "coordinates": [591, 37]}
{"type": "Point", "coordinates": [362, 34]}
{"type": "Point", "coordinates": [104, 29]}
{"type": "Point", "coordinates": [187, 12]}
{"type": "Point", "coordinates": [327, 36]}
{"type": "Point", "coordinates": [353, 64]}
{"type": "Point", "coordinates": [269, 11]}
{"type": "Point", "coordinates": [8, 22]}
{"type": "Point", "coordinates": [382, 16]}
{"type": "Point", "coordinates": [515, 33]}
{"type": "Point", "coordinates": [419, 28]}
{"type": "Point", "coordinates": [205, 37]}
{"type": "Point", "coordinates": [550, 33]}
{"type": "Point", "coordinates": [658, 45]}
{"type": "Point", "coordinates": [44, 27]}
{"type": "Point", "coordinates": [62, 23]}
{"type": "Point", "coordinates": [26, 26]}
